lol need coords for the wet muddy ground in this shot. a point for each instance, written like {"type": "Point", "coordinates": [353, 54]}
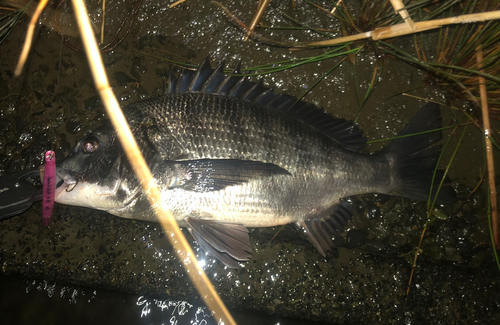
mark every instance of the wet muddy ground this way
{"type": "Point", "coordinates": [54, 103]}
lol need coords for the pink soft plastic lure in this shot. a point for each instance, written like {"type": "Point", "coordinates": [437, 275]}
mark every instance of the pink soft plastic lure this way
{"type": "Point", "coordinates": [49, 186]}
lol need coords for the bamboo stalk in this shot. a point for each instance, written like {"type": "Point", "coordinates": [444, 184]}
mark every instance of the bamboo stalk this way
{"type": "Point", "coordinates": [29, 38]}
{"type": "Point", "coordinates": [489, 149]}
{"type": "Point", "coordinates": [399, 8]}
{"type": "Point", "coordinates": [177, 239]}
{"type": "Point", "coordinates": [258, 15]}
{"type": "Point", "coordinates": [402, 29]}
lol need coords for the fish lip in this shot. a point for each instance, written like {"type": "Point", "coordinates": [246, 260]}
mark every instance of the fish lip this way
{"type": "Point", "coordinates": [68, 178]}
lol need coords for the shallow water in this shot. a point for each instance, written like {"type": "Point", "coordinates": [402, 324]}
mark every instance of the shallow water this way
{"type": "Point", "coordinates": [29, 301]}
{"type": "Point", "coordinates": [54, 103]}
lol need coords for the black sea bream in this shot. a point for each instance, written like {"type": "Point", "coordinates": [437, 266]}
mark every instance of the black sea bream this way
{"type": "Point", "coordinates": [228, 153]}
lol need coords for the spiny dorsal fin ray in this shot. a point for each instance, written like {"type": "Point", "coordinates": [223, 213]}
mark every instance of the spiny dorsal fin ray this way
{"type": "Point", "coordinates": [240, 88]}
{"type": "Point", "coordinates": [172, 82]}
{"type": "Point", "coordinates": [203, 73]}
{"type": "Point", "coordinates": [215, 79]}
{"type": "Point", "coordinates": [185, 80]}
{"type": "Point", "coordinates": [209, 80]}
{"type": "Point", "coordinates": [257, 89]}
{"type": "Point", "coordinates": [230, 81]}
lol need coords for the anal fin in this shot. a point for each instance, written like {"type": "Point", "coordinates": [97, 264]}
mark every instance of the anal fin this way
{"type": "Point", "coordinates": [322, 231]}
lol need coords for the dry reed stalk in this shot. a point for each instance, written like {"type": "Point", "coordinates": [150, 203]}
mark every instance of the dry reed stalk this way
{"type": "Point", "coordinates": [177, 239]}
{"type": "Point", "coordinates": [489, 149]}
{"type": "Point", "coordinates": [176, 3]}
{"type": "Point", "coordinates": [261, 7]}
{"type": "Point", "coordinates": [252, 33]}
{"type": "Point", "coordinates": [399, 8]}
{"type": "Point", "coordinates": [403, 29]}
{"type": "Point", "coordinates": [29, 37]}
{"type": "Point", "coordinates": [103, 20]}
{"type": "Point", "coordinates": [335, 8]}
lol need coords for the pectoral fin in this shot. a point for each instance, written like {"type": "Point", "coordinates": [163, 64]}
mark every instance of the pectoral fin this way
{"type": "Point", "coordinates": [216, 174]}
{"type": "Point", "coordinates": [321, 232]}
{"type": "Point", "coordinates": [228, 242]}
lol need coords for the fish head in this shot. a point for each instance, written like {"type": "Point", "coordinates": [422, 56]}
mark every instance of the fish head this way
{"type": "Point", "coordinates": [96, 174]}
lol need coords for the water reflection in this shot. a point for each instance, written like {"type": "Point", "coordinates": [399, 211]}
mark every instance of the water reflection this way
{"type": "Point", "coordinates": [175, 311]}
{"type": "Point", "coordinates": [24, 301]}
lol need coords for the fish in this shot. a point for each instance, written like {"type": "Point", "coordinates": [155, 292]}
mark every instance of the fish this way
{"type": "Point", "coordinates": [230, 154]}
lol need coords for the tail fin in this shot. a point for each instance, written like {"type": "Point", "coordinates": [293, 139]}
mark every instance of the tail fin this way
{"type": "Point", "coordinates": [414, 158]}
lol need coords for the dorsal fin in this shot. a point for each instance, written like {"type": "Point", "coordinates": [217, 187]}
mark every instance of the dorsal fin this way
{"type": "Point", "coordinates": [208, 80]}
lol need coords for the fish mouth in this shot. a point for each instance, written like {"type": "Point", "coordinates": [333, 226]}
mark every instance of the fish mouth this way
{"type": "Point", "coordinates": [76, 189]}
{"type": "Point", "coordinates": [66, 180]}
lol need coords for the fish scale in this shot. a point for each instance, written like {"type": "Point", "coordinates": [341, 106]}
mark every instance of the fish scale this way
{"type": "Point", "coordinates": [209, 133]}
{"type": "Point", "coordinates": [257, 145]}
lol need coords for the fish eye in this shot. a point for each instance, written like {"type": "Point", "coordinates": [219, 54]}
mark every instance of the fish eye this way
{"type": "Point", "coordinates": [90, 144]}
